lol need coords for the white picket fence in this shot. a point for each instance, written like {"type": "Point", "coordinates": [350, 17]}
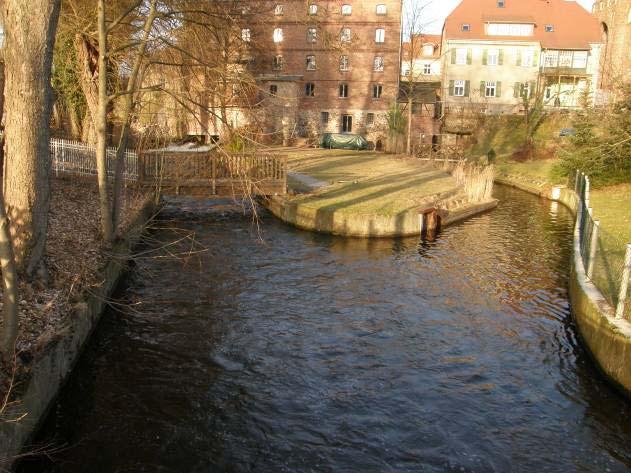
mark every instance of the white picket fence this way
{"type": "Point", "coordinates": [75, 157]}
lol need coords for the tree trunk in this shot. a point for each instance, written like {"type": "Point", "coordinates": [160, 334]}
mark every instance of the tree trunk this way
{"type": "Point", "coordinates": [100, 121]}
{"type": "Point", "coordinates": [127, 108]}
{"type": "Point", "coordinates": [408, 147]}
{"type": "Point", "coordinates": [30, 35]}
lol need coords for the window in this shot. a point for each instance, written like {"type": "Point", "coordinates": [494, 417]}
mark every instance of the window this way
{"type": "Point", "coordinates": [235, 90]}
{"type": "Point", "coordinates": [549, 28]}
{"type": "Point", "coordinates": [313, 9]}
{"type": "Point", "coordinates": [525, 90]}
{"type": "Point", "coordinates": [278, 35]}
{"type": "Point", "coordinates": [378, 64]}
{"type": "Point", "coordinates": [380, 35]}
{"type": "Point", "coordinates": [344, 63]}
{"type": "Point", "coordinates": [345, 35]}
{"type": "Point", "coordinates": [527, 58]}
{"type": "Point", "coordinates": [312, 35]}
{"type": "Point", "coordinates": [370, 118]}
{"type": "Point", "coordinates": [466, 27]}
{"type": "Point", "coordinates": [551, 59]}
{"type": "Point", "coordinates": [343, 91]}
{"type": "Point", "coordinates": [381, 9]}
{"type": "Point", "coordinates": [565, 59]}
{"type": "Point", "coordinates": [461, 56]}
{"type": "Point", "coordinates": [279, 10]}
{"type": "Point", "coordinates": [309, 89]}
{"type": "Point", "coordinates": [490, 89]}
{"type": "Point", "coordinates": [311, 63]}
{"type": "Point", "coordinates": [246, 34]}
{"type": "Point", "coordinates": [459, 87]}
{"type": "Point", "coordinates": [493, 57]}
{"type": "Point", "coordinates": [346, 9]}
{"type": "Point", "coordinates": [580, 60]}
{"type": "Point", "coordinates": [324, 118]}
{"type": "Point", "coordinates": [427, 68]}
{"type": "Point", "coordinates": [273, 89]}
{"type": "Point", "coordinates": [500, 3]}
{"type": "Point", "coordinates": [510, 29]}
{"type": "Point", "coordinates": [277, 63]}
{"type": "Point", "coordinates": [428, 50]}
{"type": "Point", "coordinates": [377, 89]}
{"type": "Point", "coordinates": [347, 123]}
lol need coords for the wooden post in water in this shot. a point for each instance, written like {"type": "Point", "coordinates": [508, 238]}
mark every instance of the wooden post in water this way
{"type": "Point", "coordinates": [593, 248]}
{"type": "Point", "coordinates": [624, 285]}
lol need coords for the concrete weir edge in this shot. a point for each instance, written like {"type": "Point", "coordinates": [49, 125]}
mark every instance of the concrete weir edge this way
{"type": "Point", "coordinates": [607, 339]}
{"type": "Point", "coordinates": [402, 224]}
{"type": "Point", "coordinates": [58, 355]}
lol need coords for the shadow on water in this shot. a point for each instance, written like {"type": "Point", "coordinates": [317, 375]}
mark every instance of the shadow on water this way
{"type": "Point", "coordinates": [307, 352]}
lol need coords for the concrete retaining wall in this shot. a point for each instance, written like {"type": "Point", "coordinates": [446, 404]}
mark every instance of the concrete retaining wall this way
{"type": "Point", "coordinates": [361, 225]}
{"type": "Point", "coordinates": [607, 339]}
{"type": "Point", "coordinates": [56, 359]}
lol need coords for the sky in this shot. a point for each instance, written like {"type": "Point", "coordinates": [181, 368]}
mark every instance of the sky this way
{"type": "Point", "coordinates": [437, 11]}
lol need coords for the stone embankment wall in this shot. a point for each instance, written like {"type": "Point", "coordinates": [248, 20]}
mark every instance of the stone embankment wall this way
{"type": "Point", "coordinates": [55, 361]}
{"type": "Point", "coordinates": [607, 338]}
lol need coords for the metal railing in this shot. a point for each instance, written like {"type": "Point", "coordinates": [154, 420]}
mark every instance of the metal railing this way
{"type": "Point", "coordinates": [605, 256]}
{"type": "Point", "coordinates": [75, 157]}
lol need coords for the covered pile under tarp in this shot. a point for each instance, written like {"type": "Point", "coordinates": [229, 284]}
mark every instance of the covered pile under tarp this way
{"type": "Point", "coordinates": [343, 141]}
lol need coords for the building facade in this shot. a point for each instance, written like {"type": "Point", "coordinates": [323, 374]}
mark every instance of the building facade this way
{"type": "Point", "coordinates": [497, 53]}
{"type": "Point", "coordinates": [615, 26]}
{"type": "Point", "coordinates": [328, 66]}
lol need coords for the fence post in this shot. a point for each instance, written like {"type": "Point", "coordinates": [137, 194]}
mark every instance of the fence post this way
{"type": "Point", "coordinates": [587, 189]}
{"type": "Point", "coordinates": [624, 285]}
{"type": "Point", "coordinates": [593, 248]}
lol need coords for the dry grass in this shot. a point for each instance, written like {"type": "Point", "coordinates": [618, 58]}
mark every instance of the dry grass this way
{"type": "Point", "coordinates": [368, 183]}
{"type": "Point", "coordinates": [612, 206]}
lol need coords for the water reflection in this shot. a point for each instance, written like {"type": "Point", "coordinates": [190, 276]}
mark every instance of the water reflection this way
{"type": "Point", "coordinates": [308, 352]}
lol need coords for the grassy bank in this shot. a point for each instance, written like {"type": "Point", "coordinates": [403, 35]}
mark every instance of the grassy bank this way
{"type": "Point", "coordinates": [366, 183]}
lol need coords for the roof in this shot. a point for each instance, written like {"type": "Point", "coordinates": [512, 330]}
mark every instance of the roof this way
{"type": "Point", "coordinates": [573, 26]}
{"type": "Point", "coordinates": [419, 41]}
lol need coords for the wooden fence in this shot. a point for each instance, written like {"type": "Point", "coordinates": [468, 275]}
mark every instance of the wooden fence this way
{"type": "Point", "coordinates": [200, 174]}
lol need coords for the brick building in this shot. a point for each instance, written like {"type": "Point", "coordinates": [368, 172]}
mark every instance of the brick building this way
{"type": "Point", "coordinates": [615, 24]}
{"type": "Point", "coordinates": [329, 66]}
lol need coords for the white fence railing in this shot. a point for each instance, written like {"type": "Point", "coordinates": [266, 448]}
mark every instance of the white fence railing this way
{"type": "Point", "coordinates": [75, 157]}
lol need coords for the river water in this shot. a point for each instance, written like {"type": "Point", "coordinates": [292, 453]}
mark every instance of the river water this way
{"type": "Point", "coordinates": [304, 352]}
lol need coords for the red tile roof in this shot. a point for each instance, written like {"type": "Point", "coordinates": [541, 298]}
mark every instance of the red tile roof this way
{"type": "Point", "coordinates": [434, 39]}
{"type": "Point", "coordinates": [574, 27]}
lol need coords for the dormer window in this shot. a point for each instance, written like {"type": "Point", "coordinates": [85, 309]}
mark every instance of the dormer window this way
{"type": "Point", "coordinates": [428, 50]}
{"type": "Point", "coordinates": [549, 28]}
{"type": "Point", "coordinates": [313, 9]}
{"type": "Point", "coordinates": [500, 3]}
{"type": "Point", "coordinates": [347, 10]}
{"type": "Point", "coordinates": [279, 10]}
{"type": "Point", "coordinates": [466, 27]}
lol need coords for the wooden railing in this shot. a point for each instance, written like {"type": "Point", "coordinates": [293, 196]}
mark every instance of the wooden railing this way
{"type": "Point", "coordinates": [214, 173]}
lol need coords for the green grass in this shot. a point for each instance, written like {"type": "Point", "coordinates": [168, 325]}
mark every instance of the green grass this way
{"type": "Point", "coordinates": [612, 206]}
{"type": "Point", "coordinates": [367, 183]}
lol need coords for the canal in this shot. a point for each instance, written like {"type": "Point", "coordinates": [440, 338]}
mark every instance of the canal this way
{"type": "Point", "coordinates": [301, 352]}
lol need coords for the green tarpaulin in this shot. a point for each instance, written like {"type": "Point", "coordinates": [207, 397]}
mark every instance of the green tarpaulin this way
{"type": "Point", "coordinates": [343, 141]}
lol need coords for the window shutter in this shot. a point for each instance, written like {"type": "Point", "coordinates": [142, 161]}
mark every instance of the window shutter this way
{"type": "Point", "coordinates": [485, 57]}
{"type": "Point", "coordinates": [533, 91]}
{"type": "Point", "coordinates": [501, 58]}
{"type": "Point", "coordinates": [519, 53]}
{"type": "Point", "coordinates": [467, 85]}
{"type": "Point", "coordinates": [469, 56]}
{"type": "Point", "coordinates": [453, 56]}
{"type": "Point", "coordinates": [516, 90]}
{"type": "Point", "coordinates": [482, 89]}
{"type": "Point", "coordinates": [535, 59]}
{"type": "Point", "coordinates": [498, 91]}
{"type": "Point", "coordinates": [451, 88]}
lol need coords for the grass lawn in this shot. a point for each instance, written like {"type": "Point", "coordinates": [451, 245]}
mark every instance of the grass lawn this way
{"type": "Point", "coordinates": [365, 182]}
{"type": "Point", "coordinates": [543, 169]}
{"type": "Point", "coordinates": [612, 206]}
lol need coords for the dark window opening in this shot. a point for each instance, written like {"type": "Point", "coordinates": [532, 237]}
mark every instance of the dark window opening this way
{"type": "Point", "coordinates": [370, 118]}
{"type": "Point", "coordinates": [347, 123]}
{"type": "Point", "coordinates": [324, 117]}
{"type": "Point", "coordinates": [343, 90]}
{"type": "Point", "coordinates": [309, 89]}
{"type": "Point", "coordinates": [376, 91]}
{"type": "Point", "coordinates": [273, 89]}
